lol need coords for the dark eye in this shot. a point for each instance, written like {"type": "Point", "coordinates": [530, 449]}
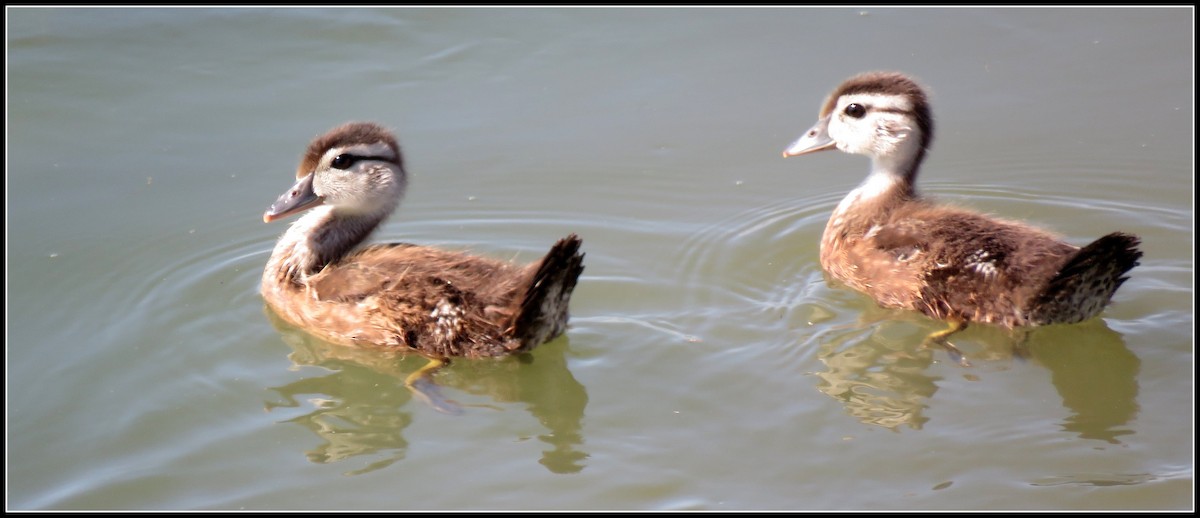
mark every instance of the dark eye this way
{"type": "Point", "coordinates": [343, 161]}
{"type": "Point", "coordinates": [856, 110]}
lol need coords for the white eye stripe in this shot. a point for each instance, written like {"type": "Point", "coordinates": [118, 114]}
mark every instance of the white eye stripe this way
{"type": "Point", "coordinates": [877, 102]}
{"type": "Point", "coordinates": [377, 149]}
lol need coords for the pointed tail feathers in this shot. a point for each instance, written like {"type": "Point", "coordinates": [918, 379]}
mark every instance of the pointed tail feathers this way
{"type": "Point", "coordinates": [1087, 282]}
{"type": "Point", "coordinates": [543, 312]}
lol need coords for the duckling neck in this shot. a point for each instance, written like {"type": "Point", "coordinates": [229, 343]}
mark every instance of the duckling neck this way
{"type": "Point", "coordinates": [885, 187]}
{"type": "Point", "coordinates": [319, 238]}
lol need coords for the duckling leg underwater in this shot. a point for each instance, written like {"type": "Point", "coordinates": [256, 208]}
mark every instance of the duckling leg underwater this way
{"type": "Point", "coordinates": [941, 338]}
{"type": "Point", "coordinates": [421, 383]}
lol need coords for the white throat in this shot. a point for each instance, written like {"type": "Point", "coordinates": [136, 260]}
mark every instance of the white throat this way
{"type": "Point", "coordinates": [878, 183]}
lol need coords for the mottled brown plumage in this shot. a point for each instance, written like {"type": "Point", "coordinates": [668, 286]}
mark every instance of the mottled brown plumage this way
{"type": "Point", "coordinates": [439, 303]}
{"type": "Point", "coordinates": [906, 251]}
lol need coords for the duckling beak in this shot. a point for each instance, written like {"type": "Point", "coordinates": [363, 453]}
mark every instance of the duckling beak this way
{"type": "Point", "coordinates": [815, 139]}
{"type": "Point", "coordinates": [296, 199]}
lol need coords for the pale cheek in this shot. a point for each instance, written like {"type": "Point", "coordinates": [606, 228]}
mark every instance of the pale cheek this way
{"type": "Point", "coordinates": [856, 146]}
{"type": "Point", "coordinates": [845, 140]}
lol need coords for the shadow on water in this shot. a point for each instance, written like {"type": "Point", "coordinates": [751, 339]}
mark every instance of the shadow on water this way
{"type": "Point", "coordinates": [881, 373]}
{"type": "Point", "coordinates": [360, 407]}
{"type": "Point", "coordinates": [1095, 374]}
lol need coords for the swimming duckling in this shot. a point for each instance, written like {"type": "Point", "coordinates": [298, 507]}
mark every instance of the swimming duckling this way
{"type": "Point", "coordinates": [905, 251]}
{"type": "Point", "coordinates": [441, 304]}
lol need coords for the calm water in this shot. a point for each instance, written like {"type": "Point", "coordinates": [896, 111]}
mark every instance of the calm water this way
{"type": "Point", "coordinates": [709, 365]}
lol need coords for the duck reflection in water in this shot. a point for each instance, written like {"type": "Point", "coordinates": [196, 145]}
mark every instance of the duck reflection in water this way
{"type": "Point", "coordinates": [883, 378]}
{"type": "Point", "coordinates": [359, 403]}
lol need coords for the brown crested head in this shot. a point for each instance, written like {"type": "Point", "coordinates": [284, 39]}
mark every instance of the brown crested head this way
{"type": "Point", "coordinates": [888, 83]}
{"type": "Point", "coordinates": [345, 135]}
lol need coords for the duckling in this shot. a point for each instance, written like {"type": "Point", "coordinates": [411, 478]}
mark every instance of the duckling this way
{"type": "Point", "coordinates": [441, 304]}
{"type": "Point", "coordinates": [953, 264]}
